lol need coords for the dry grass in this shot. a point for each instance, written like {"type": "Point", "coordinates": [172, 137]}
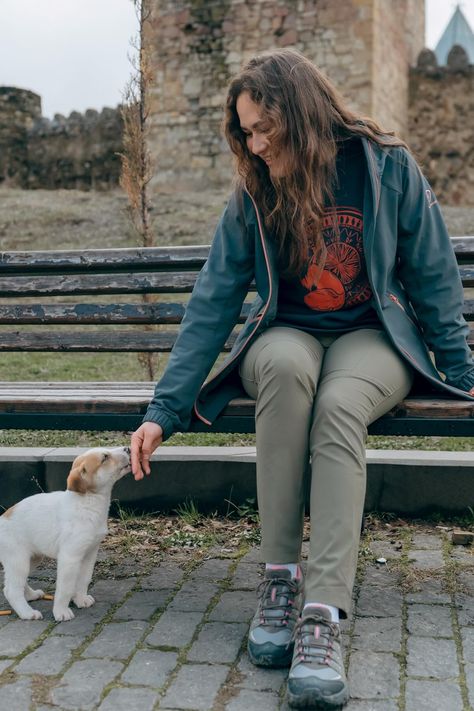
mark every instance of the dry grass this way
{"type": "Point", "coordinates": [73, 219]}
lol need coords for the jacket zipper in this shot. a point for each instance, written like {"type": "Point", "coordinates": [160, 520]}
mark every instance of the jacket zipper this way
{"type": "Point", "coordinates": [258, 317]}
{"type": "Point", "coordinates": [397, 301]}
{"type": "Point", "coordinates": [391, 296]}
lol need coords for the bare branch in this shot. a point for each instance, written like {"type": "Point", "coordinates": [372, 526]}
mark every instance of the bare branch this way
{"type": "Point", "coordinates": [137, 168]}
{"type": "Point", "coordinates": [136, 160]}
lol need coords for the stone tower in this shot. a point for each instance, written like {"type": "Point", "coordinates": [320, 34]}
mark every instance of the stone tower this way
{"type": "Point", "coordinates": [365, 47]}
{"type": "Point", "coordinates": [458, 32]}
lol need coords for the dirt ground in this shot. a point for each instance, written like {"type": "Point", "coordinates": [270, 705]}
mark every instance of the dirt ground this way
{"type": "Point", "coordinates": [137, 541]}
{"type": "Point", "coordinates": [70, 219]}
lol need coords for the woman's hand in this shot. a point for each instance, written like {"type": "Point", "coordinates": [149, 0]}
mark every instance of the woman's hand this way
{"type": "Point", "coordinates": [145, 440]}
{"type": "Point", "coordinates": [471, 392]}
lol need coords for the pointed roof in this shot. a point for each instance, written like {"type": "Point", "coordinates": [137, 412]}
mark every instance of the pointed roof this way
{"type": "Point", "coordinates": [457, 32]}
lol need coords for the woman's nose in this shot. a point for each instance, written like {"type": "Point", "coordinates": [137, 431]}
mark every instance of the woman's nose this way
{"type": "Point", "coordinates": [259, 145]}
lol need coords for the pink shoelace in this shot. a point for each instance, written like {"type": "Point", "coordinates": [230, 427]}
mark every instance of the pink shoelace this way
{"type": "Point", "coordinates": [277, 595]}
{"type": "Point", "coordinates": [315, 638]}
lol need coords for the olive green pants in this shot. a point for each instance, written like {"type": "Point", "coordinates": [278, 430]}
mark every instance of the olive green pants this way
{"type": "Point", "coordinates": [315, 398]}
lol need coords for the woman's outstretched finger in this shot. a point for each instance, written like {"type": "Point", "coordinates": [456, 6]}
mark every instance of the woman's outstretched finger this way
{"type": "Point", "coordinates": [136, 455]}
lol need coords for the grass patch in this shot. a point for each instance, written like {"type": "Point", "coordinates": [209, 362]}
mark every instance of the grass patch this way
{"type": "Point", "coordinates": [189, 513]}
{"type": "Point", "coordinates": [89, 438]}
{"type": "Point", "coordinates": [451, 444]}
{"type": "Point", "coordinates": [71, 367]}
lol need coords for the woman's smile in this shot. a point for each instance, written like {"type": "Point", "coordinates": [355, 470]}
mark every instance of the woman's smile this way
{"type": "Point", "coordinates": [257, 132]}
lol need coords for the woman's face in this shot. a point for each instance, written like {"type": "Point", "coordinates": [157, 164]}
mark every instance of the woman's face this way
{"type": "Point", "coordinates": [257, 130]}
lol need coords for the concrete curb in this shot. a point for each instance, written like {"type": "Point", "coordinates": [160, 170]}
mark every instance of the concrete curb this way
{"type": "Point", "coordinates": [409, 482]}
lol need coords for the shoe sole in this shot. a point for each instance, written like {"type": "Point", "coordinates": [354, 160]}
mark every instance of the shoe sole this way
{"type": "Point", "coordinates": [267, 658]}
{"type": "Point", "coordinates": [313, 699]}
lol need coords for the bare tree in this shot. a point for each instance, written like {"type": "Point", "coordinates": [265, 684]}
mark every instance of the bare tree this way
{"type": "Point", "coordinates": [137, 168]}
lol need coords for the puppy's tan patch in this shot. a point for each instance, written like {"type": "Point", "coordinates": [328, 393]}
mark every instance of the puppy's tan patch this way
{"type": "Point", "coordinates": [83, 470]}
{"type": "Point", "coordinates": [8, 512]}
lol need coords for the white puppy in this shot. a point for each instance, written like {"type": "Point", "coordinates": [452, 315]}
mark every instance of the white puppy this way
{"type": "Point", "coordinates": [65, 525]}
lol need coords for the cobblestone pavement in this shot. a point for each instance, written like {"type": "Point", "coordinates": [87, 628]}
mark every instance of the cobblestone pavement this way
{"type": "Point", "coordinates": [171, 634]}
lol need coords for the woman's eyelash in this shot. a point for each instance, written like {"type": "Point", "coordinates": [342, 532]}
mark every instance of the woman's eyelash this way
{"type": "Point", "coordinates": [262, 129]}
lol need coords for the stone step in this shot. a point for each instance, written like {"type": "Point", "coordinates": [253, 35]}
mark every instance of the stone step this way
{"type": "Point", "coordinates": [407, 482]}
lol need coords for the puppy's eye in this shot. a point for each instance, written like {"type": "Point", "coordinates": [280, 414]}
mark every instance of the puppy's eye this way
{"type": "Point", "coordinates": [105, 457]}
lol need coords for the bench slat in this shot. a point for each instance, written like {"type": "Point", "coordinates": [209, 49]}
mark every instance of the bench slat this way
{"type": "Point", "coordinates": [130, 258]}
{"type": "Point", "coordinates": [156, 313]}
{"type": "Point", "coordinates": [467, 276]}
{"type": "Point", "coordinates": [412, 406]}
{"type": "Point", "coordinates": [148, 282]}
{"type": "Point", "coordinates": [115, 400]}
{"type": "Point", "coordinates": [92, 341]}
{"type": "Point", "coordinates": [100, 341]}
{"type": "Point", "coordinates": [126, 283]}
{"type": "Point", "coordinates": [464, 247]}
{"type": "Point", "coordinates": [469, 309]}
{"type": "Point", "coordinates": [136, 314]}
{"type": "Point", "coordinates": [165, 313]}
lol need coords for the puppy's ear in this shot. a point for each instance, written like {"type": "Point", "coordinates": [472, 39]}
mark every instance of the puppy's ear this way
{"type": "Point", "coordinates": [77, 479]}
{"type": "Point", "coordinates": [82, 475]}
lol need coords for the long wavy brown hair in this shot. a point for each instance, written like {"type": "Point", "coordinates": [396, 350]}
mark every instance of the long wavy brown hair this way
{"type": "Point", "coordinates": [307, 118]}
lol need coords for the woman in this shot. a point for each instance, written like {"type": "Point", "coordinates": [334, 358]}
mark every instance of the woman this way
{"type": "Point", "coordinates": [356, 282]}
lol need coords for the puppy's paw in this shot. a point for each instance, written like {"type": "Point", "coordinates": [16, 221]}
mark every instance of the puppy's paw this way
{"type": "Point", "coordinates": [33, 615]}
{"type": "Point", "coordinates": [83, 600]}
{"type": "Point", "coordinates": [63, 615]}
{"type": "Point", "coordinates": [34, 594]}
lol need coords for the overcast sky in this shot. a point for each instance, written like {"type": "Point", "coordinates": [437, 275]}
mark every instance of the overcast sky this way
{"type": "Point", "coordinates": [74, 53]}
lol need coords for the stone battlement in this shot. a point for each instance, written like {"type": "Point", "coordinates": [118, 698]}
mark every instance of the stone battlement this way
{"type": "Point", "coordinates": [441, 130]}
{"type": "Point", "coordinates": [77, 151]}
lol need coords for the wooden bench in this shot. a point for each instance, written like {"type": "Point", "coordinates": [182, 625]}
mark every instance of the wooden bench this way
{"type": "Point", "coordinates": [33, 304]}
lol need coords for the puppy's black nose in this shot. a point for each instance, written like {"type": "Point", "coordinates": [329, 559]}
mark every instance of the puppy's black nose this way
{"type": "Point", "coordinates": [127, 449]}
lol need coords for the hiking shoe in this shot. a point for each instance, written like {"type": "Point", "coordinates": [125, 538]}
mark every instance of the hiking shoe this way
{"type": "Point", "coordinates": [270, 642]}
{"type": "Point", "coordinates": [317, 678]}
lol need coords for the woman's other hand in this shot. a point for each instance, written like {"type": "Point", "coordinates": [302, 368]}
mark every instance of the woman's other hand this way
{"type": "Point", "coordinates": [145, 440]}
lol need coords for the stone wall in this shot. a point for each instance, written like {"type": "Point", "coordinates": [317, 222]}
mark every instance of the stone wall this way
{"type": "Point", "coordinates": [19, 109]}
{"type": "Point", "coordinates": [79, 151]}
{"type": "Point", "coordinates": [398, 29]}
{"type": "Point", "coordinates": [441, 125]}
{"type": "Point", "coordinates": [197, 45]}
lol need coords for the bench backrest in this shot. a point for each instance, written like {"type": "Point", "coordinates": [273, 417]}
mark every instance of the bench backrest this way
{"type": "Point", "coordinates": [47, 289]}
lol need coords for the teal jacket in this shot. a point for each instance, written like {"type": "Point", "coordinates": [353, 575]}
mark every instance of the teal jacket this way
{"type": "Point", "coordinates": [412, 270]}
